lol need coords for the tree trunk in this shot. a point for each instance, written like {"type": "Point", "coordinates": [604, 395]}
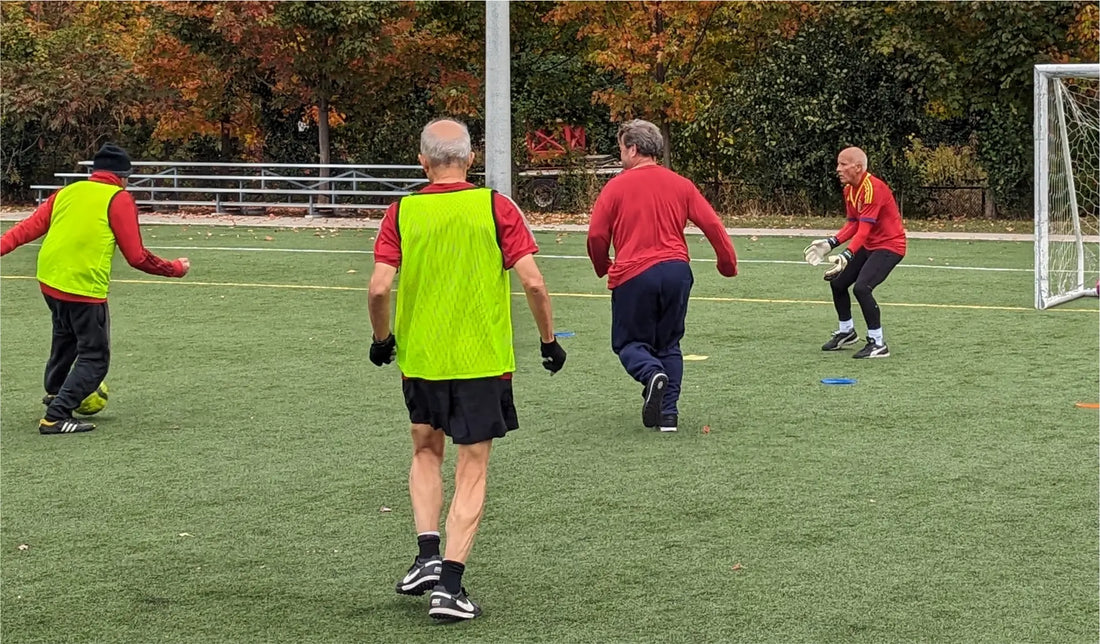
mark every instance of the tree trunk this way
{"type": "Point", "coordinates": [226, 141]}
{"type": "Point", "coordinates": [660, 73]}
{"type": "Point", "coordinates": [323, 142]}
{"type": "Point", "coordinates": [666, 133]}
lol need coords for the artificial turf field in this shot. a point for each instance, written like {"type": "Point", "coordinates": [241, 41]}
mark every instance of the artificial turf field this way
{"type": "Point", "coordinates": [235, 488]}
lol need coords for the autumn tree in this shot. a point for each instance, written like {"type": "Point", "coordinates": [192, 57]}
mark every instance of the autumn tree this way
{"type": "Point", "coordinates": [222, 101]}
{"type": "Point", "coordinates": [69, 83]}
{"type": "Point", "coordinates": [651, 48]}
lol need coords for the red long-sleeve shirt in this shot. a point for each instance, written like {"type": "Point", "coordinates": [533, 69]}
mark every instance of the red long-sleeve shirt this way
{"type": "Point", "coordinates": [642, 213]}
{"type": "Point", "coordinates": [122, 215]}
{"type": "Point", "coordinates": [873, 218]}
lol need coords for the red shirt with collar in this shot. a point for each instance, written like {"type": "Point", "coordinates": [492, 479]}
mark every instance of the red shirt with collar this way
{"type": "Point", "coordinates": [874, 221]}
{"type": "Point", "coordinates": [643, 212]}
{"type": "Point", "coordinates": [122, 215]}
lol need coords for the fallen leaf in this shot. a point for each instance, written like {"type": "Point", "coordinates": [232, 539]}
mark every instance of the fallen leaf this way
{"type": "Point", "coordinates": [706, 429]}
{"type": "Point", "coordinates": [753, 238]}
{"type": "Point", "coordinates": [737, 566]}
{"type": "Point", "coordinates": [24, 546]}
{"type": "Point", "coordinates": [352, 270]}
{"type": "Point", "coordinates": [384, 509]}
{"type": "Point", "coordinates": [269, 238]}
{"type": "Point", "coordinates": [186, 534]}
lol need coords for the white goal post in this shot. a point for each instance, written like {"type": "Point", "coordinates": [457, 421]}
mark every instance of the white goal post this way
{"type": "Point", "coordinates": [1067, 183]}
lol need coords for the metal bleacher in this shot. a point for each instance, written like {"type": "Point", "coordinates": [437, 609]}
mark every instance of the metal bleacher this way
{"type": "Point", "coordinates": [253, 188]}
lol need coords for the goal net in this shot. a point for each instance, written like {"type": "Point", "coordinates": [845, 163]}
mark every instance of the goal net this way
{"type": "Point", "coordinates": [1067, 174]}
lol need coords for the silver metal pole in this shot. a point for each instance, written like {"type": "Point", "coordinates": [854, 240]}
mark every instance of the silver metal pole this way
{"type": "Point", "coordinates": [1042, 189]}
{"type": "Point", "coordinates": [498, 97]}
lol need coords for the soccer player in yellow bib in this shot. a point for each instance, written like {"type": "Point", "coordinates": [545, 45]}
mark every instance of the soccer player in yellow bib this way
{"type": "Point", "coordinates": [83, 223]}
{"type": "Point", "coordinates": [452, 336]}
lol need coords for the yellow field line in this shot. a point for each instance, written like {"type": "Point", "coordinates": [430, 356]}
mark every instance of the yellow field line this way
{"type": "Point", "coordinates": [602, 296]}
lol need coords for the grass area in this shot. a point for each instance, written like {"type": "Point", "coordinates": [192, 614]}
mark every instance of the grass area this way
{"type": "Point", "coordinates": [234, 488]}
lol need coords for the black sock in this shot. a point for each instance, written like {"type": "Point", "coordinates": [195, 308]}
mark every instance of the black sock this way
{"type": "Point", "coordinates": [451, 577]}
{"type": "Point", "coordinates": [429, 545]}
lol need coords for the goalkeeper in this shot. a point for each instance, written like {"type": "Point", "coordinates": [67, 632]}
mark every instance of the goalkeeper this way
{"type": "Point", "coordinates": [877, 245]}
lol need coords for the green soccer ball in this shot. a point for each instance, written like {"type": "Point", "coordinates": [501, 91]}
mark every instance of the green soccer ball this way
{"type": "Point", "coordinates": [95, 402]}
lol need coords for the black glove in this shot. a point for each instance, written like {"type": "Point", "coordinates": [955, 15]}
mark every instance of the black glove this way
{"type": "Point", "coordinates": [553, 356]}
{"type": "Point", "coordinates": [383, 351]}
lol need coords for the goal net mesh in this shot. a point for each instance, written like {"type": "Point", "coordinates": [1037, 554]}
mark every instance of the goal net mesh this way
{"type": "Point", "coordinates": [1068, 219]}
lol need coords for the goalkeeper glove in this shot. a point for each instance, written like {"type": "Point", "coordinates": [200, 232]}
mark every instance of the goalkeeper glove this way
{"type": "Point", "coordinates": [817, 251]}
{"type": "Point", "coordinates": [840, 262]}
{"type": "Point", "coordinates": [383, 351]}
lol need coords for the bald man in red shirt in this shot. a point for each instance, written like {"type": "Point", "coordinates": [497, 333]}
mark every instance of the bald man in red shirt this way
{"type": "Point", "coordinates": [642, 213]}
{"type": "Point", "coordinates": [877, 245]}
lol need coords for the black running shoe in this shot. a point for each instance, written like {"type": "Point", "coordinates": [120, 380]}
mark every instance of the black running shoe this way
{"type": "Point", "coordinates": [872, 350]}
{"type": "Point", "coordinates": [63, 426]}
{"type": "Point", "coordinates": [654, 396]}
{"type": "Point", "coordinates": [840, 340]}
{"type": "Point", "coordinates": [448, 607]}
{"type": "Point", "coordinates": [422, 576]}
{"type": "Point", "coordinates": [668, 423]}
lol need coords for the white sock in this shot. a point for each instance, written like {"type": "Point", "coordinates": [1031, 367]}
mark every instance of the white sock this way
{"type": "Point", "coordinates": [876, 335]}
{"type": "Point", "coordinates": [847, 325]}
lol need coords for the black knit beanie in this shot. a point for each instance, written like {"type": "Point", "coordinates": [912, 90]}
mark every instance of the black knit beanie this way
{"type": "Point", "coordinates": [112, 159]}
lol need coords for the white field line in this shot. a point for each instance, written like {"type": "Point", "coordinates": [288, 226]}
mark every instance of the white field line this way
{"type": "Point", "coordinates": [324, 251]}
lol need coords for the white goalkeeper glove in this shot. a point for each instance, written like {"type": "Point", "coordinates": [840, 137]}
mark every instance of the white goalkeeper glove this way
{"type": "Point", "coordinates": [817, 251]}
{"type": "Point", "coordinates": [840, 262]}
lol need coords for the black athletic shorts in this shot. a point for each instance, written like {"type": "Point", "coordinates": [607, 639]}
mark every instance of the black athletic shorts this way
{"type": "Point", "coordinates": [469, 411]}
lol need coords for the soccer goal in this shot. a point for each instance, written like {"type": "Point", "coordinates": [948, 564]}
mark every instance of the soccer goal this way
{"type": "Point", "coordinates": [1067, 174]}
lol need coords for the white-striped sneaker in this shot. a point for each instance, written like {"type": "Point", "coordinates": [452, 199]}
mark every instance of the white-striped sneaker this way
{"type": "Point", "coordinates": [873, 350]}
{"type": "Point", "coordinates": [422, 576]}
{"type": "Point", "coordinates": [840, 339]}
{"type": "Point", "coordinates": [452, 607]}
{"type": "Point", "coordinates": [652, 398]}
{"type": "Point", "coordinates": [64, 426]}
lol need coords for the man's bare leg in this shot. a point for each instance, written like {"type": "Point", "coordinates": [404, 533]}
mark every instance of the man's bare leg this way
{"type": "Point", "coordinates": [426, 492]}
{"type": "Point", "coordinates": [448, 599]}
{"type": "Point", "coordinates": [463, 519]}
{"type": "Point", "coordinates": [426, 478]}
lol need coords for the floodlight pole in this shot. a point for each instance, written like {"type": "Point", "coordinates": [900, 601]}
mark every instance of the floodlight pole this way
{"type": "Point", "coordinates": [498, 96]}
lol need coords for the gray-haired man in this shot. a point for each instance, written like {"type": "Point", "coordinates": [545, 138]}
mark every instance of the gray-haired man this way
{"type": "Point", "coordinates": [452, 337]}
